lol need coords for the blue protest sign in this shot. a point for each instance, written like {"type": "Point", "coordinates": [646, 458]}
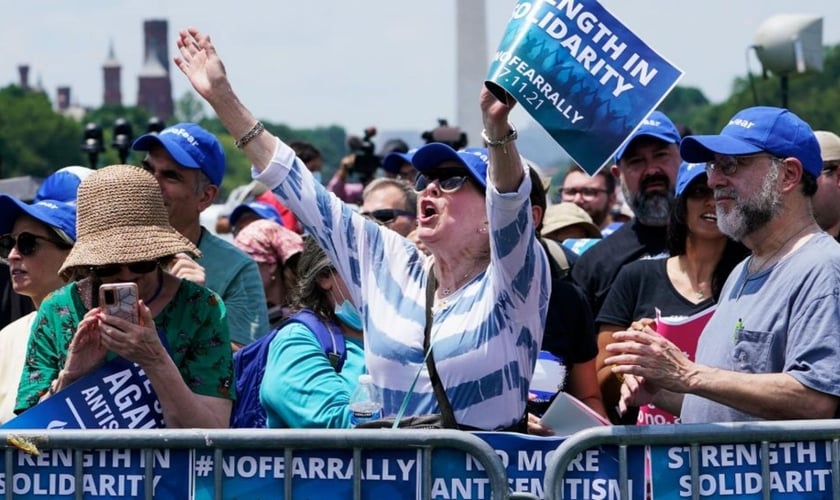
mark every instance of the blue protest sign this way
{"type": "Point", "coordinates": [107, 474]}
{"type": "Point", "coordinates": [581, 74]}
{"type": "Point", "coordinates": [117, 395]}
{"type": "Point", "coordinates": [799, 470]}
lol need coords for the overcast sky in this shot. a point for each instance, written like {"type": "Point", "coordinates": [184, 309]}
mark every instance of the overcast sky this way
{"type": "Point", "coordinates": [354, 63]}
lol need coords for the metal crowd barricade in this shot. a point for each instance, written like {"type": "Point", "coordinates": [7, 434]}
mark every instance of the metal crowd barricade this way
{"type": "Point", "coordinates": [289, 440]}
{"type": "Point", "coordinates": [694, 436]}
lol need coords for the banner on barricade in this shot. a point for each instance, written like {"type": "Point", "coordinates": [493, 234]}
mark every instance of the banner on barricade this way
{"type": "Point", "coordinates": [581, 74]}
{"type": "Point", "coordinates": [800, 470]}
{"type": "Point", "coordinates": [117, 395]}
{"type": "Point", "coordinates": [107, 474]}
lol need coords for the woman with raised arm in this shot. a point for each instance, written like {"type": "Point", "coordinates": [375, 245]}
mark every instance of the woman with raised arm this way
{"type": "Point", "coordinates": [474, 216]}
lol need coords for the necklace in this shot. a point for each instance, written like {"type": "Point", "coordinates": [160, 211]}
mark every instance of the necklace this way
{"type": "Point", "coordinates": [446, 291]}
{"type": "Point", "coordinates": [699, 293]}
{"type": "Point", "coordinates": [159, 288]}
{"type": "Point", "coordinates": [763, 265]}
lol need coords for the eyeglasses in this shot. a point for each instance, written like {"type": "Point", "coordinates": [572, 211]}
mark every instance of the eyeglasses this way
{"type": "Point", "coordinates": [728, 165]}
{"type": "Point", "coordinates": [698, 191]}
{"type": "Point", "coordinates": [386, 215]}
{"type": "Point", "coordinates": [143, 267]}
{"type": "Point", "coordinates": [26, 243]}
{"type": "Point", "coordinates": [586, 192]}
{"type": "Point", "coordinates": [449, 180]}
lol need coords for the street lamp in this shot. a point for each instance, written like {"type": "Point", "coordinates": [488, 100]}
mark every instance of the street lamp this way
{"type": "Point", "coordinates": [92, 143]}
{"type": "Point", "coordinates": [790, 44]}
{"type": "Point", "coordinates": [123, 137]}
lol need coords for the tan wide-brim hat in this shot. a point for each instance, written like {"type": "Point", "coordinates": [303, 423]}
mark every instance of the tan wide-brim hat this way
{"type": "Point", "coordinates": [568, 214]}
{"type": "Point", "coordinates": [120, 219]}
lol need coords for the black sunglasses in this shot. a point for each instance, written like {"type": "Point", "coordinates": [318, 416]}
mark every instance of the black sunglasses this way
{"type": "Point", "coordinates": [386, 215]}
{"type": "Point", "coordinates": [143, 267]}
{"type": "Point", "coordinates": [26, 243]}
{"type": "Point", "coordinates": [449, 179]}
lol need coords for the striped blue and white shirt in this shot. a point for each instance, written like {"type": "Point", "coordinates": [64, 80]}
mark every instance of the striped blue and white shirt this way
{"type": "Point", "coordinates": [485, 337]}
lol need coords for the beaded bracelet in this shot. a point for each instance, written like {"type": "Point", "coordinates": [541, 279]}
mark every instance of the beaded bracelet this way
{"type": "Point", "coordinates": [256, 130]}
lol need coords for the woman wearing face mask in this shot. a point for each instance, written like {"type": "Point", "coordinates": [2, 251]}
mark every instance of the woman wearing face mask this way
{"type": "Point", "coordinates": [301, 389]}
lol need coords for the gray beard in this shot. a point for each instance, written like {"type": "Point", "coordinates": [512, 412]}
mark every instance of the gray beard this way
{"type": "Point", "coordinates": [651, 209]}
{"type": "Point", "coordinates": [748, 216]}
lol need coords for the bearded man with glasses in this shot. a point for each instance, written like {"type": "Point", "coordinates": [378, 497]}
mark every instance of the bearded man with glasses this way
{"type": "Point", "coordinates": [770, 350]}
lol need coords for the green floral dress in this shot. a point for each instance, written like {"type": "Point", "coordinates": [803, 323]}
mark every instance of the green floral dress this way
{"type": "Point", "coordinates": [193, 324]}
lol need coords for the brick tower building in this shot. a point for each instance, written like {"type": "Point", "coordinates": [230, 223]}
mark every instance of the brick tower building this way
{"type": "Point", "coordinates": [111, 74]}
{"type": "Point", "coordinates": [154, 85]}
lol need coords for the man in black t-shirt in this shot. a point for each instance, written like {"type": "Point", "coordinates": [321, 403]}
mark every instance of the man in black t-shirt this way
{"type": "Point", "coordinates": [647, 166]}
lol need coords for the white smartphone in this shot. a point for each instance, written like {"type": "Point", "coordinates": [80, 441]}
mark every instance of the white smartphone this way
{"type": "Point", "coordinates": [120, 299]}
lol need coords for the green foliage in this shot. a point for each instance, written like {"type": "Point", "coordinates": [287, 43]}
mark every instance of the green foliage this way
{"type": "Point", "coordinates": [34, 139]}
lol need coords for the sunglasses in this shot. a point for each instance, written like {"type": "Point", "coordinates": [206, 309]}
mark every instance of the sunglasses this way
{"type": "Point", "coordinates": [26, 243]}
{"type": "Point", "coordinates": [449, 182]}
{"type": "Point", "coordinates": [144, 267]}
{"type": "Point", "coordinates": [386, 215]}
{"type": "Point", "coordinates": [699, 191]}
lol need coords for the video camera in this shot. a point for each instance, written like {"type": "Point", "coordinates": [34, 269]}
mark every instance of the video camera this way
{"type": "Point", "coordinates": [451, 136]}
{"type": "Point", "coordinates": [366, 160]}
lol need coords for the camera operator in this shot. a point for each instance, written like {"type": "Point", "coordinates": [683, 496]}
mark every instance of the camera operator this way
{"type": "Point", "coordinates": [361, 162]}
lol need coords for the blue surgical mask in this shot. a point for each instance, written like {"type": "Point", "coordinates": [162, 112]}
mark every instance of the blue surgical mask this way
{"type": "Point", "coordinates": [317, 176]}
{"type": "Point", "coordinates": [347, 313]}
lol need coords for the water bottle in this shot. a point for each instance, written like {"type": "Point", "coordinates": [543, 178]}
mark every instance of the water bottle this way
{"type": "Point", "coordinates": [365, 403]}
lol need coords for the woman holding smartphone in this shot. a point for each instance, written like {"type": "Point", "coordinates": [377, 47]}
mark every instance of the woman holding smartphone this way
{"type": "Point", "coordinates": [180, 338]}
{"type": "Point", "coordinates": [36, 239]}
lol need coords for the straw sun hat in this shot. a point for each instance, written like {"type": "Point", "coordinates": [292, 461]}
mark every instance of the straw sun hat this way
{"type": "Point", "coordinates": [121, 219]}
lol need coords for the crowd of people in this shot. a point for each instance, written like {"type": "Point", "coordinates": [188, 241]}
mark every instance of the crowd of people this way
{"type": "Point", "coordinates": [450, 269]}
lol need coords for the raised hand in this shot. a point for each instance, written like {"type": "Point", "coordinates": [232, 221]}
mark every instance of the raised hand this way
{"type": "Point", "coordinates": [495, 113]}
{"type": "Point", "coordinates": [184, 267]}
{"type": "Point", "coordinates": [200, 62]}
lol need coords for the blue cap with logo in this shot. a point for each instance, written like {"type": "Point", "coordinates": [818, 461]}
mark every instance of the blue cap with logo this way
{"type": "Point", "coordinates": [191, 146]}
{"type": "Point", "coordinates": [262, 210]}
{"type": "Point", "coordinates": [63, 184]}
{"type": "Point", "coordinates": [760, 129]}
{"type": "Point", "coordinates": [56, 214]}
{"type": "Point", "coordinates": [655, 125]}
{"type": "Point", "coordinates": [686, 175]}
{"type": "Point", "coordinates": [430, 157]}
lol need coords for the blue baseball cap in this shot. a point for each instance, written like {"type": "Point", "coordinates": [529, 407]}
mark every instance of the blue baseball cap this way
{"type": "Point", "coordinates": [760, 129]}
{"type": "Point", "coordinates": [430, 156]}
{"type": "Point", "coordinates": [393, 161]}
{"type": "Point", "coordinates": [191, 146]}
{"type": "Point", "coordinates": [655, 125]}
{"type": "Point", "coordinates": [262, 210]}
{"type": "Point", "coordinates": [63, 184]}
{"type": "Point", "coordinates": [686, 175]}
{"type": "Point", "coordinates": [54, 213]}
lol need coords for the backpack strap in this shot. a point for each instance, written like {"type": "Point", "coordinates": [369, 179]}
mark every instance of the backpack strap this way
{"type": "Point", "coordinates": [556, 254]}
{"type": "Point", "coordinates": [329, 335]}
